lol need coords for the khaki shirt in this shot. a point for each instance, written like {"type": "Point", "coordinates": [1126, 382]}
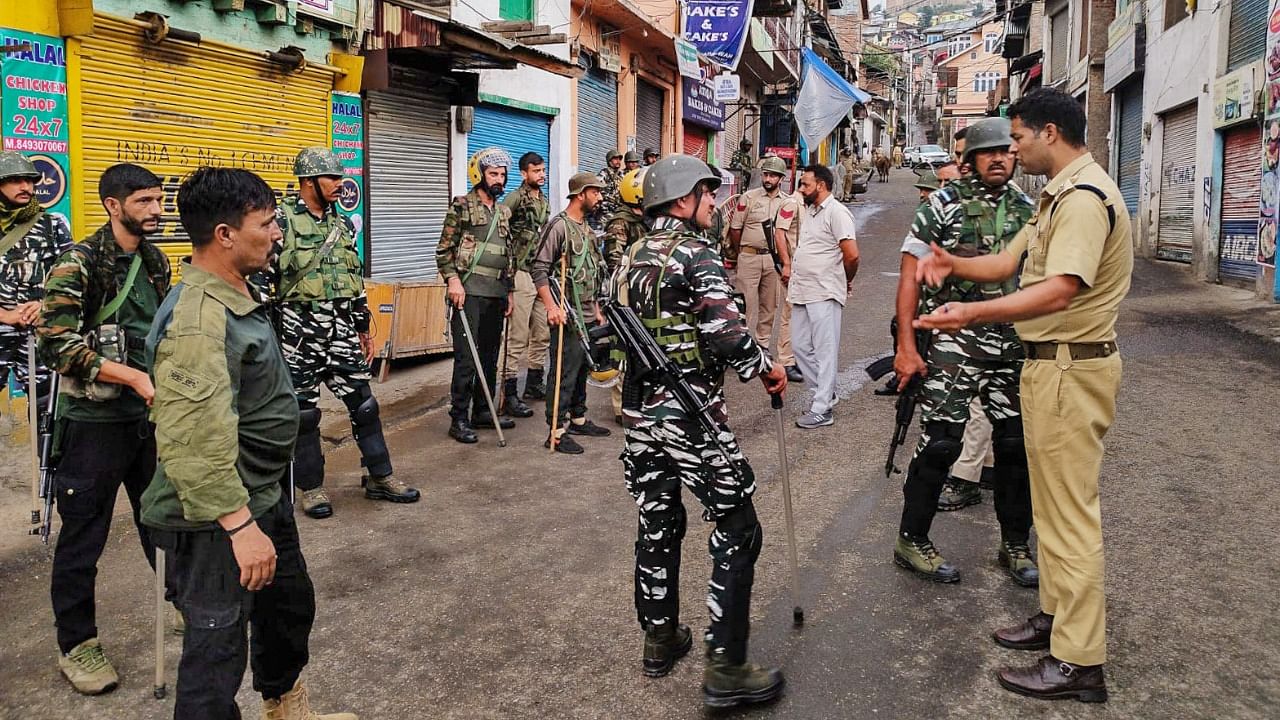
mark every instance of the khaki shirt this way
{"type": "Point", "coordinates": [755, 207]}
{"type": "Point", "coordinates": [1070, 235]}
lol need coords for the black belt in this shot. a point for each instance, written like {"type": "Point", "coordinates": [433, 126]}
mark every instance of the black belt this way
{"type": "Point", "coordinates": [1079, 351]}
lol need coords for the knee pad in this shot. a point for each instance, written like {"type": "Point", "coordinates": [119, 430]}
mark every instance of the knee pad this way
{"type": "Point", "coordinates": [741, 532]}
{"type": "Point", "coordinates": [1008, 442]}
{"type": "Point", "coordinates": [663, 533]}
{"type": "Point", "coordinates": [308, 456]}
{"type": "Point", "coordinates": [366, 425]}
{"type": "Point", "coordinates": [366, 414]}
{"type": "Point", "coordinates": [946, 442]}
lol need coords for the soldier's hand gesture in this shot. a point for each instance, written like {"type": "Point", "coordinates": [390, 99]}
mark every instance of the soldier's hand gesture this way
{"type": "Point", "coordinates": [934, 267]}
{"type": "Point", "coordinates": [457, 294]}
{"type": "Point", "coordinates": [775, 381]}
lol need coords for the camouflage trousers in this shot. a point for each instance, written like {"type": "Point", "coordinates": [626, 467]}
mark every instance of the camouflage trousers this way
{"type": "Point", "coordinates": [952, 383]}
{"type": "Point", "coordinates": [657, 460]}
{"type": "Point", "coordinates": [321, 345]}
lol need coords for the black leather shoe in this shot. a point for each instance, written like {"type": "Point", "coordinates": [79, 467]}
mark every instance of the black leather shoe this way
{"type": "Point", "coordinates": [485, 420]}
{"type": "Point", "coordinates": [588, 429]}
{"type": "Point", "coordinates": [461, 431]}
{"type": "Point", "coordinates": [534, 389]}
{"type": "Point", "coordinates": [1030, 635]}
{"type": "Point", "coordinates": [1053, 679]}
{"type": "Point", "coordinates": [794, 375]}
{"type": "Point", "coordinates": [512, 405]}
{"type": "Point", "coordinates": [566, 444]}
{"type": "Point", "coordinates": [664, 646]}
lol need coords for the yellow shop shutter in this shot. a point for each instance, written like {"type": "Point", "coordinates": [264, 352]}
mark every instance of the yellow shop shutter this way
{"type": "Point", "coordinates": [175, 106]}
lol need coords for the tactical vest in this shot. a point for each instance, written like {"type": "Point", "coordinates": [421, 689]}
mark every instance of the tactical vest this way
{"type": "Point", "coordinates": [483, 252]}
{"type": "Point", "coordinates": [338, 274]}
{"type": "Point", "coordinates": [664, 329]}
{"type": "Point", "coordinates": [983, 226]}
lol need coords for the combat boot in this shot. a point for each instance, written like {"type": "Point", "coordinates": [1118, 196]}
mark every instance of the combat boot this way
{"type": "Point", "coordinates": [727, 684]}
{"type": "Point", "coordinates": [315, 503]}
{"type": "Point", "coordinates": [921, 557]}
{"type": "Point", "coordinates": [294, 705]}
{"type": "Point", "coordinates": [958, 494]}
{"type": "Point", "coordinates": [534, 388]}
{"type": "Point", "coordinates": [88, 670]}
{"type": "Point", "coordinates": [483, 419]}
{"type": "Point", "coordinates": [663, 646]}
{"type": "Point", "coordinates": [388, 488]}
{"type": "Point", "coordinates": [564, 443]}
{"type": "Point", "coordinates": [1015, 558]}
{"type": "Point", "coordinates": [512, 405]}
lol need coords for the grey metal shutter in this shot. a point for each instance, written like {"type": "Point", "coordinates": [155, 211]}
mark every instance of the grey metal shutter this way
{"type": "Point", "coordinates": [408, 180]}
{"type": "Point", "coordinates": [648, 116]}
{"type": "Point", "coordinates": [597, 115]}
{"type": "Point", "coordinates": [1059, 46]}
{"type": "Point", "coordinates": [1248, 32]}
{"type": "Point", "coordinates": [1241, 198]}
{"type": "Point", "coordinates": [1177, 185]}
{"type": "Point", "coordinates": [1129, 155]}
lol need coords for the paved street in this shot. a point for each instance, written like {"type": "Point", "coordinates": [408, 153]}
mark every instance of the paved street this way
{"type": "Point", "coordinates": [507, 592]}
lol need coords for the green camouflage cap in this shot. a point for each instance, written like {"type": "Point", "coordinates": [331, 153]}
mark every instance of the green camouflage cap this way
{"type": "Point", "coordinates": [16, 165]}
{"type": "Point", "coordinates": [631, 156]}
{"type": "Point", "coordinates": [986, 135]}
{"type": "Point", "coordinates": [613, 154]}
{"type": "Point", "coordinates": [675, 176]}
{"type": "Point", "coordinates": [774, 165]}
{"type": "Point", "coordinates": [583, 180]}
{"type": "Point", "coordinates": [317, 161]}
{"type": "Point", "coordinates": [928, 181]}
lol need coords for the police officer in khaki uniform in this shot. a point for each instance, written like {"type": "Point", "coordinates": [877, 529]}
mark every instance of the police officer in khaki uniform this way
{"type": "Point", "coordinates": [1078, 260]}
{"type": "Point", "coordinates": [757, 279]}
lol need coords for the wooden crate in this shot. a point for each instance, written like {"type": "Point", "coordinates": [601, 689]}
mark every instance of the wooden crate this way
{"type": "Point", "coordinates": [408, 317]}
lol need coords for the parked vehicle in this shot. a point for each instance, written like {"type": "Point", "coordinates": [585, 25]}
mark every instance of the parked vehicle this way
{"type": "Point", "coordinates": [931, 156]}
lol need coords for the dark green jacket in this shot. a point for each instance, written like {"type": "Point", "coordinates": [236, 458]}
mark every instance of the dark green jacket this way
{"type": "Point", "coordinates": [225, 412]}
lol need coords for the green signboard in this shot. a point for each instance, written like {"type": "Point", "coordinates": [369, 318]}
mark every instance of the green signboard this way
{"type": "Point", "coordinates": [34, 88]}
{"type": "Point", "coordinates": [346, 117]}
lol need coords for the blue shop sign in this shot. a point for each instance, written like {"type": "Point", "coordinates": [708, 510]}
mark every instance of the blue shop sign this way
{"type": "Point", "coordinates": [718, 28]}
{"type": "Point", "coordinates": [701, 106]}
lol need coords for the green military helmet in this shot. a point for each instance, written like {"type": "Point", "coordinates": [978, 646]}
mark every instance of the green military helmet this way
{"type": "Point", "coordinates": [986, 135]}
{"type": "Point", "coordinates": [773, 165]}
{"type": "Point", "coordinates": [928, 181]}
{"type": "Point", "coordinates": [631, 156]}
{"type": "Point", "coordinates": [675, 176]}
{"type": "Point", "coordinates": [16, 165]}
{"type": "Point", "coordinates": [317, 161]}
{"type": "Point", "coordinates": [614, 153]}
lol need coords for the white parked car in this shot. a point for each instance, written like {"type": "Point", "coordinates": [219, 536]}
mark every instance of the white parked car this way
{"type": "Point", "coordinates": [931, 155]}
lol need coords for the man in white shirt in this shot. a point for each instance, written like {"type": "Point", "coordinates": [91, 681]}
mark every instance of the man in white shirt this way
{"type": "Point", "coordinates": [821, 279]}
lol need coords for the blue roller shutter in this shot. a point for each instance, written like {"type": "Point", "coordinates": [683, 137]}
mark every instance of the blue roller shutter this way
{"type": "Point", "coordinates": [597, 115]}
{"type": "Point", "coordinates": [517, 132]}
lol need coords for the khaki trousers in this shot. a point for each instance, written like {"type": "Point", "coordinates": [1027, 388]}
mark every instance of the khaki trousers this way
{"type": "Point", "coordinates": [527, 335]}
{"type": "Point", "coordinates": [786, 355]}
{"type": "Point", "coordinates": [758, 282]}
{"type": "Point", "coordinates": [977, 452]}
{"type": "Point", "coordinates": [1067, 407]}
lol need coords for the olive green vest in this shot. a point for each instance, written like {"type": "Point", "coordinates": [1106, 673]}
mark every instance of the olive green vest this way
{"type": "Point", "coordinates": [339, 274]}
{"type": "Point", "coordinates": [484, 263]}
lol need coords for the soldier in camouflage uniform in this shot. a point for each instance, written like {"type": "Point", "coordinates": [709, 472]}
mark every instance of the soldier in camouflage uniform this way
{"type": "Point", "coordinates": [30, 240]}
{"type": "Point", "coordinates": [626, 227]}
{"type": "Point", "coordinates": [630, 161]}
{"type": "Point", "coordinates": [743, 164]}
{"type": "Point", "coordinates": [611, 176]}
{"type": "Point", "coordinates": [975, 215]}
{"type": "Point", "coordinates": [324, 331]}
{"type": "Point", "coordinates": [100, 298]}
{"type": "Point", "coordinates": [675, 281]}
{"type": "Point", "coordinates": [474, 257]}
{"type": "Point", "coordinates": [527, 333]}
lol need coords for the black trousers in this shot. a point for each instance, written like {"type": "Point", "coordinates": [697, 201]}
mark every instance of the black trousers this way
{"type": "Point", "coordinates": [484, 314]}
{"type": "Point", "coordinates": [228, 625]}
{"type": "Point", "coordinates": [572, 370]}
{"type": "Point", "coordinates": [97, 458]}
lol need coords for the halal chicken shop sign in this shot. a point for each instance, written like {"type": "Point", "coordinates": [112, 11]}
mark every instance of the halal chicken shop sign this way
{"type": "Point", "coordinates": [717, 28]}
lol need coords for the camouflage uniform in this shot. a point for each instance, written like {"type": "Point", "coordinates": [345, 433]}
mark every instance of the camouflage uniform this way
{"type": "Point", "coordinates": [611, 200]}
{"type": "Point", "coordinates": [487, 278]}
{"type": "Point", "coordinates": [624, 228]}
{"type": "Point", "coordinates": [985, 361]}
{"type": "Point", "coordinates": [677, 285]}
{"type": "Point", "coordinates": [743, 165]}
{"type": "Point", "coordinates": [322, 312]}
{"type": "Point", "coordinates": [105, 444]}
{"type": "Point", "coordinates": [529, 335]}
{"type": "Point", "coordinates": [23, 270]}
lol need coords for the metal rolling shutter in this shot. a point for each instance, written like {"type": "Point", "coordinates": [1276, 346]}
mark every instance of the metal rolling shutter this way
{"type": "Point", "coordinates": [517, 132]}
{"type": "Point", "coordinates": [173, 107]}
{"type": "Point", "coordinates": [1241, 197]}
{"type": "Point", "coordinates": [1129, 160]}
{"type": "Point", "coordinates": [1248, 32]}
{"type": "Point", "coordinates": [695, 142]}
{"type": "Point", "coordinates": [1177, 186]}
{"type": "Point", "coordinates": [648, 116]}
{"type": "Point", "coordinates": [597, 116]}
{"type": "Point", "coordinates": [408, 181]}
{"type": "Point", "coordinates": [1059, 47]}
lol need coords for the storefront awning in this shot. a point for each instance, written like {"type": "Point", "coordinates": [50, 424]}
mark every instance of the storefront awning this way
{"type": "Point", "coordinates": [456, 46]}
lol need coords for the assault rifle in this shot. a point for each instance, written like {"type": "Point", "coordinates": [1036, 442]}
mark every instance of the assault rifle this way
{"type": "Point", "coordinates": [46, 450]}
{"type": "Point", "coordinates": [907, 399]}
{"type": "Point", "coordinates": [647, 361]}
{"type": "Point", "coordinates": [769, 242]}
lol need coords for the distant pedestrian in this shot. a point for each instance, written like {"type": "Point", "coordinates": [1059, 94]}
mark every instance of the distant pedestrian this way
{"type": "Point", "coordinates": [821, 280]}
{"type": "Point", "coordinates": [630, 161]}
{"type": "Point", "coordinates": [650, 156]}
{"type": "Point", "coordinates": [1076, 258]}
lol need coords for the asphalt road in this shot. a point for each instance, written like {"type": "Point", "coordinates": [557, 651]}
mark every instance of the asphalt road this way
{"type": "Point", "coordinates": [507, 593]}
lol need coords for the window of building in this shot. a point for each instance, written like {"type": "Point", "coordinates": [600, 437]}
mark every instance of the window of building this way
{"type": "Point", "coordinates": [1059, 45]}
{"type": "Point", "coordinates": [991, 43]}
{"type": "Point", "coordinates": [973, 55]}
{"type": "Point", "coordinates": [986, 81]}
{"type": "Point", "coordinates": [515, 9]}
{"type": "Point", "coordinates": [1082, 32]}
{"type": "Point", "coordinates": [1174, 11]}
